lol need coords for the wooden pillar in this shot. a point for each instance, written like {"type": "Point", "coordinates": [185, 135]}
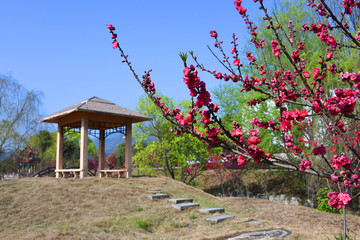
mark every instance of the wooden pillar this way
{"type": "Point", "coordinates": [59, 149]}
{"type": "Point", "coordinates": [128, 150]}
{"type": "Point", "coordinates": [101, 150]}
{"type": "Point", "coordinates": [84, 146]}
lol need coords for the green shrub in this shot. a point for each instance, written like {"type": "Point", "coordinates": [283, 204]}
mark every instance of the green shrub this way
{"type": "Point", "coordinates": [192, 216]}
{"type": "Point", "coordinates": [142, 224]}
{"type": "Point", "coordinates": [322, 201]}
{"type": "Point", "coordinates": [139, 209]}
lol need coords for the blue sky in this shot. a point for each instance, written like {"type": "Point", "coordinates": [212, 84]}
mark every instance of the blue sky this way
{"type": "Point", "coordinates": [63, 49]}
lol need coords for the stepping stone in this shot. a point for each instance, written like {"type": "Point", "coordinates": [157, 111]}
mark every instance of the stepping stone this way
{"type": "Point", "coordinates": [157, 191]}
{"type": "Point", "coordinates": [253, 222]}
{"type": "Point", "coordinates": [183, 206]}
{"type": "Point", "coordinates": [180, 200]}
{"type": "Point", "coordinates": [211, 210]}
{"type": "Point", "coordinates": [261, 235]}
{"type": "Point", "coordinates": [219, 218]}
{"type": "Point", "coordinates": [158, 196]}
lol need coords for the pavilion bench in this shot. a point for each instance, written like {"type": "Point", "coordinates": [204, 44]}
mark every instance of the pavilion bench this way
{"type": "Point", "coordinates": [65, 172]}
{"type": "Point", "coordinates": [107, 172]}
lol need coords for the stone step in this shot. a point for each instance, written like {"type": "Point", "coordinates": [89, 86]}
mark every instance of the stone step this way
{"type": "Point", "coordinates": [253, 222]}
{"type": "Point", "coordinates": [180, 200]}
{"type": "Point", "coordinates": [211, 210]}
{"type": "Point", "coordinates": [156, 191]}
{"type": "Point", "coordinates": [219, 218]}
{"type": "Point", "coordinates": [158, 196]}
{"type": "Point", "coordinates": [183, 206]}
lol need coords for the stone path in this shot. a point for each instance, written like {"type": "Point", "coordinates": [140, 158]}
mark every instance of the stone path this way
{"type": "Point", "coordinates": [184, 203]}
{"type": "Point", "coordinates": [261, 235]}
{"type": "Point", "coordinates": [183, 206]}
{"type": "Point", "coordinates": [180, 200]}
{"type": "Point", "coordinates": [220, 218]}
{"type": "Point", "coordinates": [211, 210]}
{"type": "Point", "coordinates": [158, 196]}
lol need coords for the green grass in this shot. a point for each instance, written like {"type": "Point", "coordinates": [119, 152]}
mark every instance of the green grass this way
{"type": "Point", "coordinates": [142, 224]}
{"type": "Point", "coordinates": [208, 203]}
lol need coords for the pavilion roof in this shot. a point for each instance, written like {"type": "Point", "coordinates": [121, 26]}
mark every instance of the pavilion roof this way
{"type": "Point", "coordinates": [98, 106]}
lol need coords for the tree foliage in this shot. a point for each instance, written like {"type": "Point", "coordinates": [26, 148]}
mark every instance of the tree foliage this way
{"type": "Point", "coordinates": [40, 141]}
{"type": "Point", "coordinates": [71, 148]}
{"type": "Point", "coordinates": [19, 114]}
{"type": "Point", "coordinates": [157, 146]}
{"type": "Point", "coordinates": [120, 154]}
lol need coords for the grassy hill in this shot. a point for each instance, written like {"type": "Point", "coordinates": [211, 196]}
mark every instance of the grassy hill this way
{"type": "Point", "coordinates": [92, 208]}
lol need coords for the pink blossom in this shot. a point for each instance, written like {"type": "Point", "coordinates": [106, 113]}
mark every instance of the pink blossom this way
{"type": "Point", "coordinates": [288, 140]}
{"type": "Point", "coordinates": [206, 117]}
{"type": "Point", "coordinates": [236, 62]}
{"type": "Point", "coordinates": [110, 27]}
{"type": "Point", "coordinates": [285, 125]}
{"type": "Point", "coordinates": [254, 121]}
{"type": "Point", "coordinates": [320, 150]}
{"type": "Point", "coordinates": [238, 7]}
{"type": "Point", "coordinates": [316, 73]}
{"type": "Point", "coordinates": [328, 56]}
{"type": "Point", "coordinates": [115, 44]}
{"type": "Point", "coordinates": [346, 184]}
{"type": "Point", "coordinates": [306, 74]}
{"type": "Point", "coordinates": [338, 200]}
{"type": "Point", "coordinates": [303, 113]}
{"type": "Point", "coordinates": [304, 91]}
{"type": "Point", "coordinates": [233, 50]}
{"type": "Point", "coordinates": [342, 161]}
{"type": "Point", "coordinates": [236, 132]}
{"type": "Point", "coordinates": [213, 33]}
{"type": "Point", "coordinates": [277, 53]}
{"type": "Point", "coordinates": [254, 132]}
{"type": "Point", "coordinates": [203, 99]}
{"type": "Point", "coordinates": [358, 36]}
{"type": "Point", "coordinates": [295, 55]}
{"type": "Point", "coordinates": [275, 49]}
{"type": "Point", "coordinates": [189, 118]}
{"type": "Point", "coordinates": [305, 164]}
{"type": "Point", "coordinates": [256, 153]}
{"type": "Point", "coordinates": [346, 99]}
{"type": "Point", "coordinates": [240, 160]}
{"type": "Point", "coordinates": [213, 134]}
{"type": "Point", "coordinates": [316, 107]}
{"type": "Point", "coordinates": [180, 119]}
{"type": "Point", "coordinates": [344, 198]}
{"type": "Point", "coordinates": [254, 140]}
{"type": "Point", "coordinates": [190, 77]}
{"type": "Point", "coordinates": [334, 178]}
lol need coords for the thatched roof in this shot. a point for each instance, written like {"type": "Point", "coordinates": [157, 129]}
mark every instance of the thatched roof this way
{"type": "Point", "coordinates": [97, 108]}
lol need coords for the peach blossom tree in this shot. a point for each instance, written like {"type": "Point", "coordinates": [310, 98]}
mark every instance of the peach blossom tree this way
{"type": "Point", "coordinates": [297, 89]}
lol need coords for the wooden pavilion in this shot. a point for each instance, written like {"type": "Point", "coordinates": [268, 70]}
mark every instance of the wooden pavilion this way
{"type": "Point", "coordinates": [99, 118]}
